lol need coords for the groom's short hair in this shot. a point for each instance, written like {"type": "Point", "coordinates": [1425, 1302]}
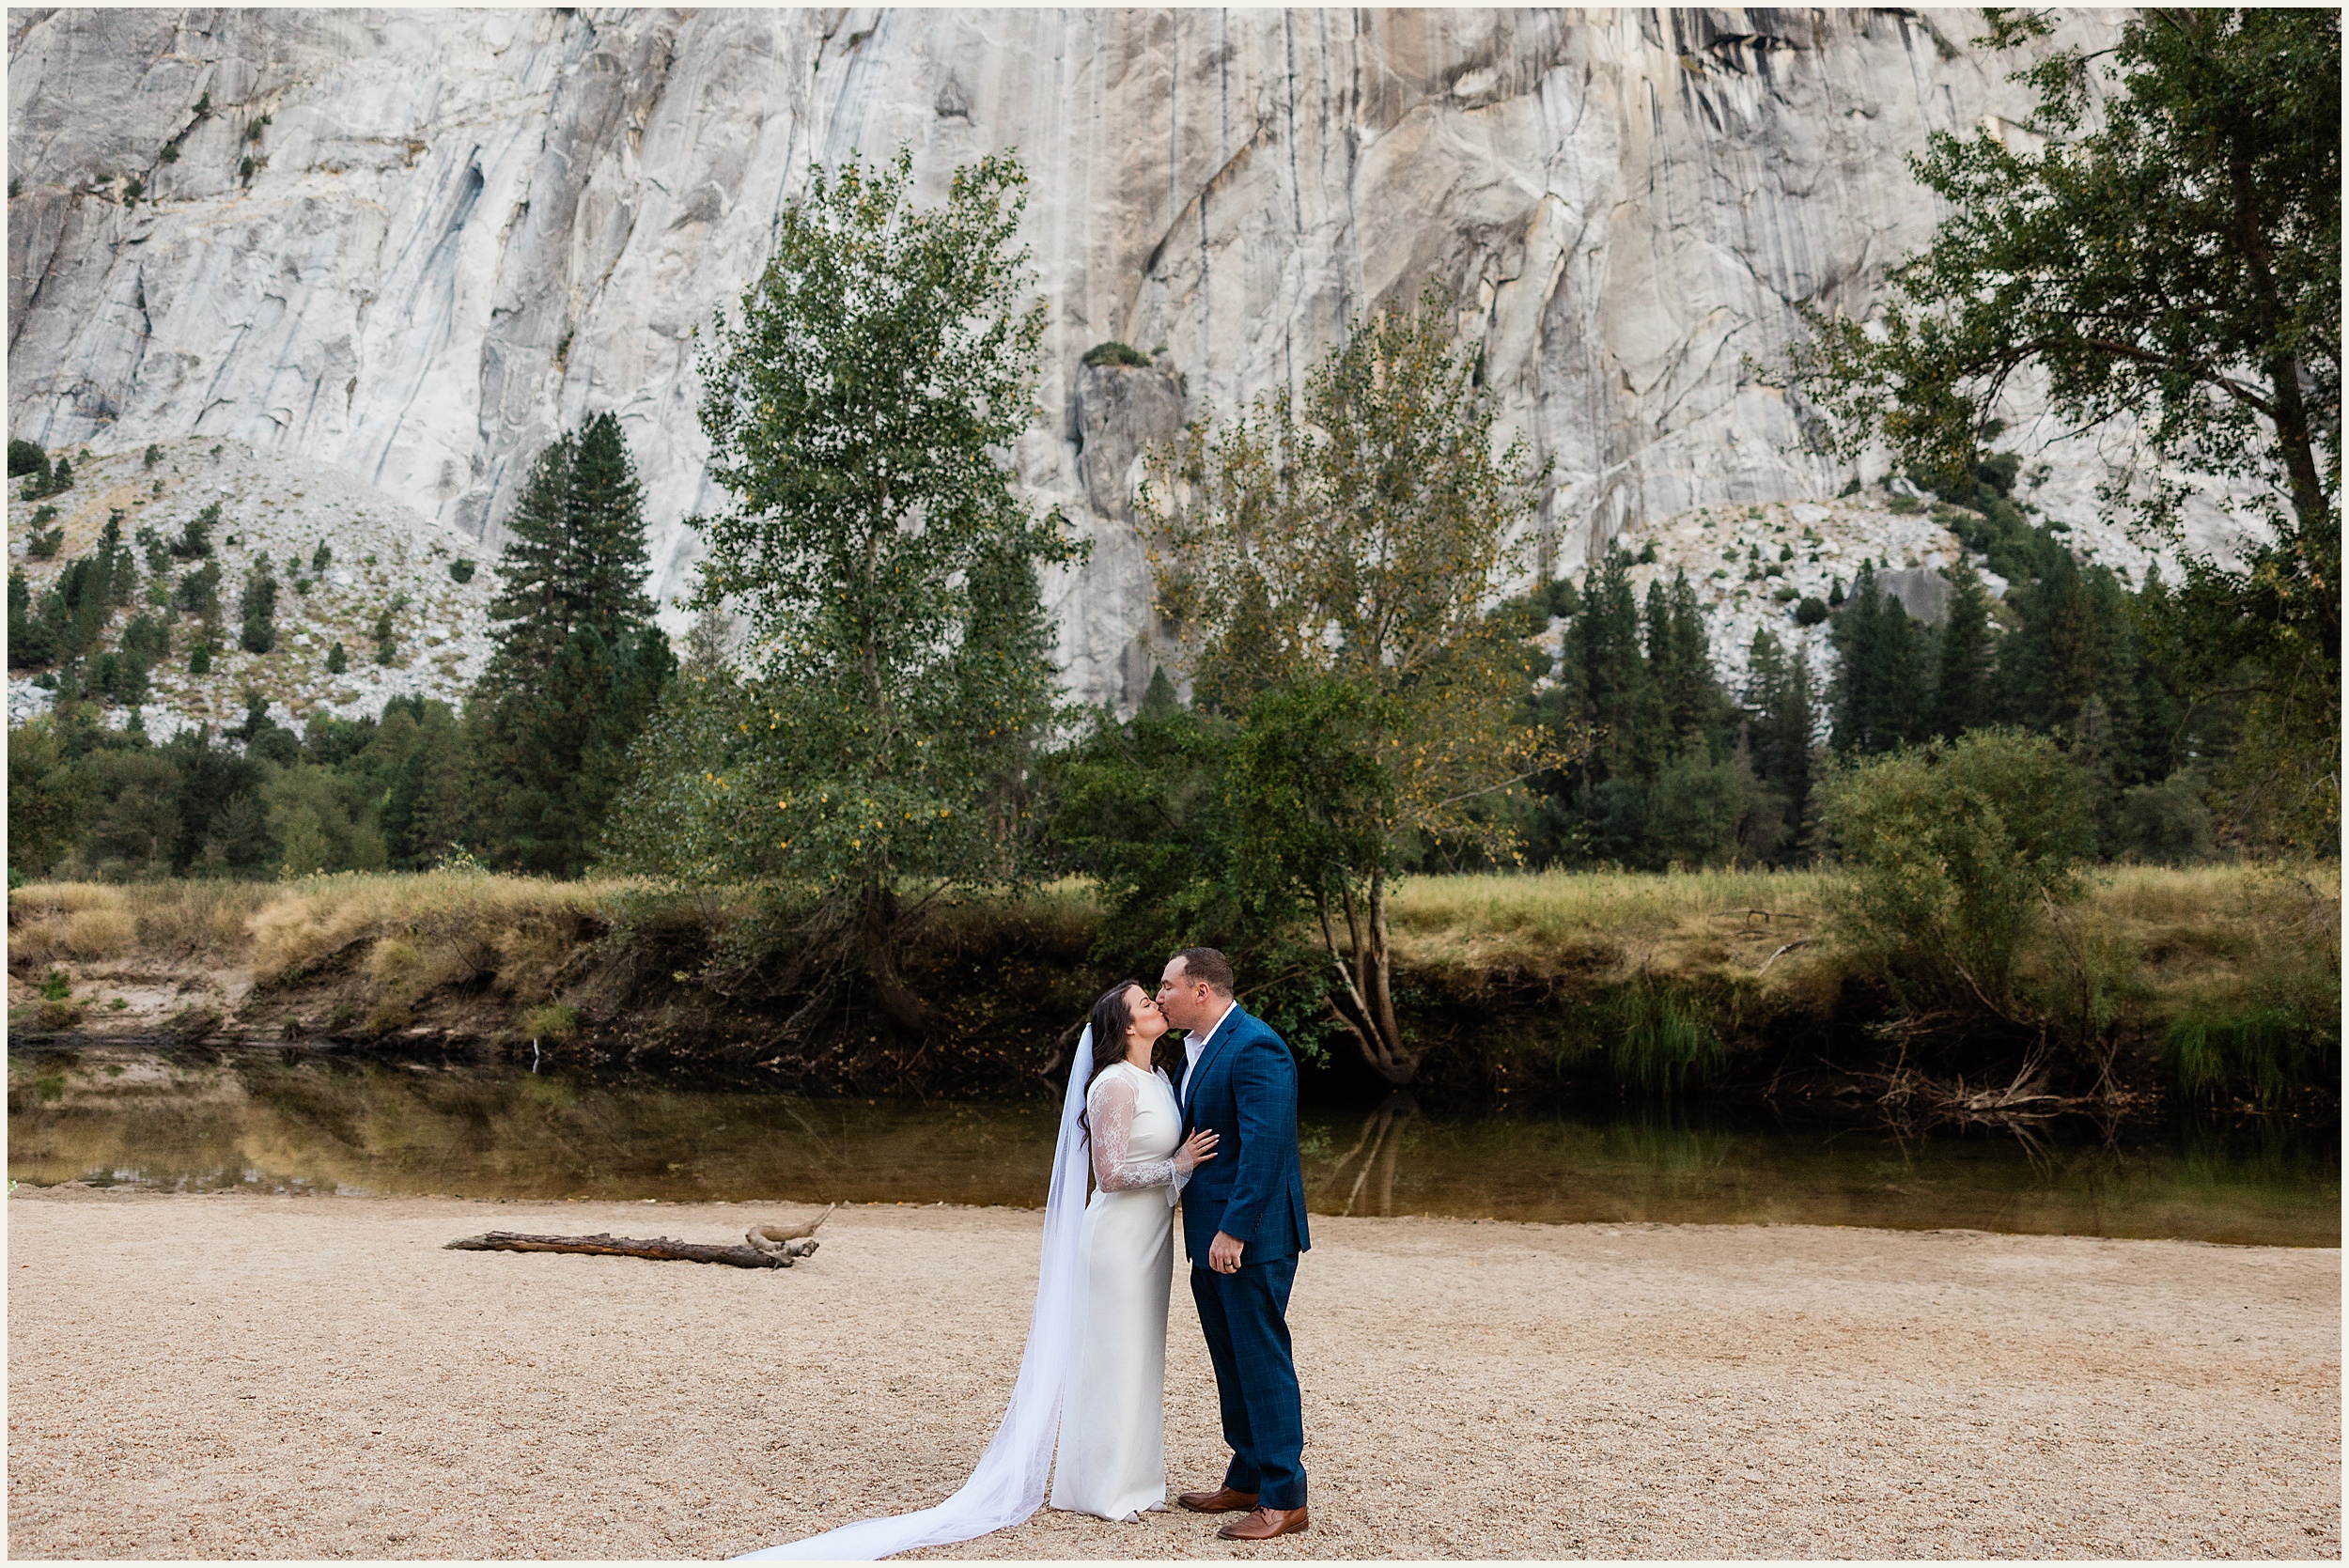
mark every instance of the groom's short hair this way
{"type": "Point", "coordinates": [1206, 963]}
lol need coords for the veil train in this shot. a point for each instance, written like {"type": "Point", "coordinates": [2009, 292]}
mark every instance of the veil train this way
{"type": "Point", "coordinates": [1010, 1481]}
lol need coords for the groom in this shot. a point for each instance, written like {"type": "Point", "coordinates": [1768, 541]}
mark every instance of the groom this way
{"type": "Point", "coordinates": [1243, 1225]}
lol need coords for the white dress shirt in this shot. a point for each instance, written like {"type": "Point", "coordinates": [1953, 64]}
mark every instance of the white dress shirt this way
{"type": "Point", "coordinates": [1196, 1041]}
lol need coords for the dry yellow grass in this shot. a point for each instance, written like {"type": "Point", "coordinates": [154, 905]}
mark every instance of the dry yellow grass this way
{"type": "Point", "coordinates": [2205, 937]}
{"type": "Point", "coordinates": [1610, 925]}
{"type": "Point", "coordinates": [423, 924]}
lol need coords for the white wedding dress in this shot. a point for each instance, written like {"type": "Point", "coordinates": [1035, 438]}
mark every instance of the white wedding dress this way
{"type": "Point", "coordinates": [1009, 1482]}
{"type": "Point", "coordinates": [1112, 1428]}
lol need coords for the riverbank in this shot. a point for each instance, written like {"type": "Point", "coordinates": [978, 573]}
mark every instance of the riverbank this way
{"type": "Point", "coordinates": [1548, 985]}
{"type": "Point", "coordinates": [234, 1375]}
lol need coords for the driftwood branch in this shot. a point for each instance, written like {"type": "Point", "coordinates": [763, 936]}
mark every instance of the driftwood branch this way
{"type": "Point", "coordinates": [763, 1255]}
{"type": "Point", "coordinates": [788, 1232]}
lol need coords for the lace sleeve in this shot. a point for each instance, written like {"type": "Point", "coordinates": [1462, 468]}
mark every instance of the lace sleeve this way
{"type": "Point", "coordinates": [1109, 1108]}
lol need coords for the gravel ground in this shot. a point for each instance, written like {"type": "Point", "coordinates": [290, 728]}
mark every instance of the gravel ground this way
{"type": "Point", "coordinates": [235, 1376]}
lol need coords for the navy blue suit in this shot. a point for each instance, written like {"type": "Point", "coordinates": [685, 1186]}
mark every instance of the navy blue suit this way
{"type": "Point", "coordinates": [1244, 1090]}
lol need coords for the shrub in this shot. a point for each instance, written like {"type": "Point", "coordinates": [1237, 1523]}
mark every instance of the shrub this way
{"type": "Point", "coordinates": [386, 645]}
{"type": "Point", "coordinates": [1957, 852]}
{"type": "Point", "coordinates": [2167, 822]}
{"type": "Point", "coordinates": [1810, 612]}
{"type": "Point", "coordinates": [154, 456]}
{"type": "Point", "coordinates": [1114, 352]}
{"type": "Point", "coordinates": [44, 545]}
{"type": "Point", "coordinates": [336, 660]}
{"type": "Point", "coordinates": [200, 659]}
{"type": "Point", "coordinates": [553, 1021]}
{"type": "Point", "coordinates": [25, 456]}
{"type": "Point", "coordinates": [321, 558]}
{"type": "Point", "coordinates": [462, 570]}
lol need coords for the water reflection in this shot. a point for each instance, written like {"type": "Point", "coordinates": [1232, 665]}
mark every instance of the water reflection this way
{"type": "Point", "coordinates": [300, 1121]}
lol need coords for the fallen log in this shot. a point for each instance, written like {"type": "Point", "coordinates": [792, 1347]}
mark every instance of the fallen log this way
{"type": "Point", "coordinates": [661, 1248]}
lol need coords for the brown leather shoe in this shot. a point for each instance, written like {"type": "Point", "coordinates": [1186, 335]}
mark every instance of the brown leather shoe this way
{"type": "Point", "coordinates": [1222, 1500]}
{"type": "Point", "coordinates": [1265, 1523]}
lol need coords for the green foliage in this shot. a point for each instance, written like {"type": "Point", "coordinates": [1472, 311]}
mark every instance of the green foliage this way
{"type": "Point", "coordinates": [154, 455]}
{"type": "Point", "coordinates": [1660, 1039]}
{"type": "Point", "coordinates": [27, 457]}
{"type": "Point", "coordinates": [200, 659]}
{"type": "Point", "coordinates": [1958, 851]}
{"type": "Point", "coordinates": [32, 643]}
{"type": "Point", "coordinates": [1879, 699]}
{"type": "Point", "coordinates": [2166, 823]}
{"type": "Point", "coordinates": [321, 558]}
{"type": "Point", "coordinates": [877, 546]}
{"type": "Point", "coordinates": [575, 554]}
{"type": "Point", "coordinates": [1779, 719]}
{"type": "Point", "coordinates": [460, 570]}
{"type": "Point", "coordinates": [2259, 1056]}
{"type": "Point", "coordinates": [1331, 559]}
{"type": "Point", "coordinates": [1114, 352]}
{"type": "Point", "coordinates": [336, 660]}
{"type": "Point", "coordinates": [194, 541]}
{"type": "Point", "coordinates": [257, 609]}
{"type": "Point", "coordinates": [578, 664]}
{"type": "Point", "coordinates": [2165, 252]}
{"type": "Point", "coordinates": [386, 638]}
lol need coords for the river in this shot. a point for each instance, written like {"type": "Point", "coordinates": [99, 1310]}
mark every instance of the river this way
{"type": "Point", "coordinates": [305, 1122]}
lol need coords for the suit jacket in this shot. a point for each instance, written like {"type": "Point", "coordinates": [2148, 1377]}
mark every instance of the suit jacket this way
{"type": "Point", "coordinates": [1244, 1090]}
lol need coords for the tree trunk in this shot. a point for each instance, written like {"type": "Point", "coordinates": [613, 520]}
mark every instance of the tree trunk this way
{"type": "Point", "coordinates": [660, 1248]}
{"type": "Point", "coordinates": [877, 953]}
{"type": "Point", "coordinates": [1366, 1003]}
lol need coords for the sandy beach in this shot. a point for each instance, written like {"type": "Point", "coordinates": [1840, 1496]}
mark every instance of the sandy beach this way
{"type": "Point", "coordinates": [235, 1375]}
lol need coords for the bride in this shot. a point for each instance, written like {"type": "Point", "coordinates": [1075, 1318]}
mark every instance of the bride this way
{"type": "Point", "coordinates": [1092, 1380]}
{"type": "Point", "coordinates": [1112, 1426]}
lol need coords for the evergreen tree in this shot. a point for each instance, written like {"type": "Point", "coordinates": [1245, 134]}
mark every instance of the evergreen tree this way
{"type": "Point", "coordinates": [1620, 700]}
{"type": "Point", "coordinates": [256, 607]}
{"type": "Point", "coordinates": [1961, 685]}
{"type": "Point", "coordinates": [578, 664]}
{"type": "Point", "coordinates": [1781, 718]}
{"type": "Point", "coordinates": [1878, 698]}
{"type": "Point", "coordinates": [1692, 693]}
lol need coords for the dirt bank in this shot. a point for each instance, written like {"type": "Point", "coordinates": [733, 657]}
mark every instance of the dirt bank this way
{"type": "Point", "coordinates": [232, 1375]}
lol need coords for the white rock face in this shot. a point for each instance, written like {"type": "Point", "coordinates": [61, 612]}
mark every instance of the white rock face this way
{"type": "Point", "coordinates": [462, 230]}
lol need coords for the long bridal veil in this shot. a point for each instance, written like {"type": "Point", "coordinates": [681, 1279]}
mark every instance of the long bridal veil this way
{"type": "Point", "coordinates": [1010, 1481]}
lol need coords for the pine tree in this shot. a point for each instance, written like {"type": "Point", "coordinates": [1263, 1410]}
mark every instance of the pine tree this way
{"type": "Point", "coordinates": [609, 562]}
{"type": "Point", "coordinates": [1692, 693]}
{"type": "Point", "coordinates": [530, 614]}
{"type": "Point", "coordinates": [1961, 686]}
{"type": "Point", "coordinates": [1781, 717]}
{"type": "Point", "coordinates": [257, 608]}
{"type": "Point", "coordinates": [1879, 696]}
{"type": "Point", "coordinates": [1620, 701]}
{"type": "Point", "coordinates": [579, 664]}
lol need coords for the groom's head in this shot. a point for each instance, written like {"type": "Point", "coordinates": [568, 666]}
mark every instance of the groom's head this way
{"type": "Point", "coordinates": [1195, 989]}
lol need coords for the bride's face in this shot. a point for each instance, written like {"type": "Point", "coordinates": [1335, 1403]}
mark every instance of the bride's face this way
{"type": "Point", "coordinates": [1149, 1023]}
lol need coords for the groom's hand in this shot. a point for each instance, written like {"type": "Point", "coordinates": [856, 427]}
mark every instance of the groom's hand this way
{"type": "Point", "coordinates": [1224, 1253]}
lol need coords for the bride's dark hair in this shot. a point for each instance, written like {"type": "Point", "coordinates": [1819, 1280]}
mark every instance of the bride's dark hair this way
{"type": "Point", "coordinates": [1112, 1018]}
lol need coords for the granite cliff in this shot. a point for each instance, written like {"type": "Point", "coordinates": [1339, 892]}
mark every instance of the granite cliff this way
{"type": "Point", "coordinates": [409, 246]}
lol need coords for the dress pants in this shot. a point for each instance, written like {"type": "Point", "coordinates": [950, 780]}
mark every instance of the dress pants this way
{"type": "Point", "coordinates": [1244, 1316]}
